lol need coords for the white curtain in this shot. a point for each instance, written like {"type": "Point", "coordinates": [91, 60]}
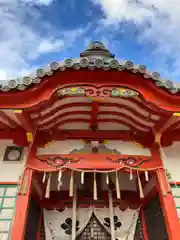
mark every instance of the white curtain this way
{"type": "Point", "coordinates": [58, 225]}
{"type": "Point", "coordinates": [124, 221]}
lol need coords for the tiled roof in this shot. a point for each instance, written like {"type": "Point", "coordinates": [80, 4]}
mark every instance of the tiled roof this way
{"type": "Point", "coordinates": [95, 57]}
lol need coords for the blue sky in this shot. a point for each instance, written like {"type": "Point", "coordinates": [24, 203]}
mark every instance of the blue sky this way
{"type": "Point", "coordinates": [36, 32]}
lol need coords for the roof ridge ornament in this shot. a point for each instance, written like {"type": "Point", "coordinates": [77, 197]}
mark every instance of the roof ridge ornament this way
{"type": "Point", "coordinates": [97, 48]}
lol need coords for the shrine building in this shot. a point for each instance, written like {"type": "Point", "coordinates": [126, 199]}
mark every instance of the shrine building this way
{"type": "Point", "coordinates": [90, 151]}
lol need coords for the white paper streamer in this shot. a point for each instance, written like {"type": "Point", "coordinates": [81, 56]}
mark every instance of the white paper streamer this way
{"type": "Point", "coordinates": [146, 176]}
{"type": "Point", "coordinates": [59, 175]}
{"type": "Point", "coordinates": [107, 179]}
{"type": "Point", "coordinates": [82, 177]}
{"type": "Point", "coordinates": [130, 174]}
{"type": "Point", "coordinates": [44, 177]}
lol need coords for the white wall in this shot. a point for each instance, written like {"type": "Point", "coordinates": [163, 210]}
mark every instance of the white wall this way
{"type": "Point", "coordinates": [171, 160]}
{"type": "Point", "coordinates": [61, 147]}
{"type": "Point", "coordinates": [10, 172]}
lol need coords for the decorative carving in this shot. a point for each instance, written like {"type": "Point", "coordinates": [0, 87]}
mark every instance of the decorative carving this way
{"type": "Point", "coordinates": [123, 92]}
{"type": "Point", "coordinates": [57, 161]}
{"type": "Point", "coordinates": [129, 161]}
{"type": "Point", "coordinates": [91, 91]}
{"type": "Point", "coordinates": [71, 91]}
{"type": "Point", "coordinates": [96, 45]}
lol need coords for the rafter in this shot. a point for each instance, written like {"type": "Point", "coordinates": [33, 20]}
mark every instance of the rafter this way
{"type": "Point", "coordinates": [8, 121]}
{"type": "Point", "coordinates": [24, 119]}
{"type": "Point", "coordinates": [133, 109]}
{"type": "Point", "coordinates": [169, 122]}
{"type": "Point", "coordinates": [163, 121]}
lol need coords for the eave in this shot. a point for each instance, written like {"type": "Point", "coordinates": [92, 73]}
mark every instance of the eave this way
{"type": "Point", "coordinates": [97, 78]}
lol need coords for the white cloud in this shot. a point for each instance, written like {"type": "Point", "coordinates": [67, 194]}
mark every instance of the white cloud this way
{"type": "Point", "coordinates": [163, 28]}
{"type": "Point", "coordinates": [118, 10]}
{"type": "Point", "coordinates": [50, 45]}
{"type": "Point", "coordinates": [39, 2]}
{"type": "Point", "coordinates": [22, 40]}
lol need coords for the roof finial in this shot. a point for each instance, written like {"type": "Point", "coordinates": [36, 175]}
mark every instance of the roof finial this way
{"type": "Point", "coordinates": [97, 48]}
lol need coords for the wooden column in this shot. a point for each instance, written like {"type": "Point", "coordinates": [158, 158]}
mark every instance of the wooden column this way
{"type": "Point", "coordinates": [143, 224]}
{"type": "Point", "coordinates": [166, 199]}
{"type": "Point", "coordinates": [22, 203]}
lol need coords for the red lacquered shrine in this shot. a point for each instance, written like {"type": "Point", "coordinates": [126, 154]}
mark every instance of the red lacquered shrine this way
{"type": "Point", "coordinates": [90, 150]}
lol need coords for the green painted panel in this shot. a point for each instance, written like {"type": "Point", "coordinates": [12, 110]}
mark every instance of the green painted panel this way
{"type": "Point", "coordinates": [7, 192]}
{"type": "Point", "coordinates": [175, 186]}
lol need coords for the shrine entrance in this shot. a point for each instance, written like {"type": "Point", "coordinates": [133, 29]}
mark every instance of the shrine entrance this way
{"type": "Point", "coordinates": [90, 206]}
{"type": "Point", "coordinates": [81, 200]}
{"type": "Point", "coordinates": [94, 231]}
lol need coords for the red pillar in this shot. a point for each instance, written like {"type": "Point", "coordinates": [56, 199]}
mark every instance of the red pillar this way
{"type": "Point", "coordinates": [166, 199]}
{"type": "Point", "coordinates": [22, 203]}
{"type": "Point", "coordinates": [143, 223]}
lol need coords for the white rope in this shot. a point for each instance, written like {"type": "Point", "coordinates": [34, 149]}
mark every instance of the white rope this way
{"type": "Point", "coordinates": [100, 171]}
{"type": "Point", "coordinates": [74, 213]}
{"type": "Point", "coordinates": [111, 215]}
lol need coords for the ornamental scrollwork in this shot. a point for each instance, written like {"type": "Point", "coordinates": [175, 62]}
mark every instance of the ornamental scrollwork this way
{"type": "Point", "coordinates": [93, 91]}
{"type": "Point", "coordinates": [71, 91]}
{"type": "Point", "coordinates": [57, 161]}
{"type": "Point", "coordinates": [123, 92]}
{"type": "Point", "coordinates": [129, 161]}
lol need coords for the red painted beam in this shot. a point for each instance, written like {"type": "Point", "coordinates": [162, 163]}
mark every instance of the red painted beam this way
{"type": "Point", "coordinates": [19, 136]}
{"type": "Point", "coordinates": [11, 122]}
{"type": "Point", "coordinates": [97, 135]}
